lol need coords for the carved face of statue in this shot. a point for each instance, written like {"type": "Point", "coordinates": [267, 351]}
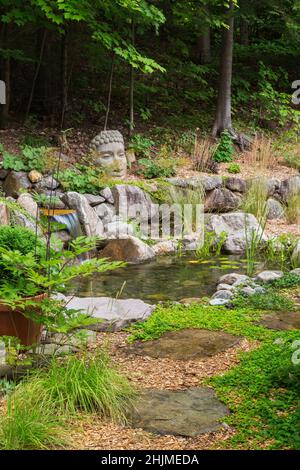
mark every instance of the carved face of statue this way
{"type": "Point", "coordinates": [110, 153]}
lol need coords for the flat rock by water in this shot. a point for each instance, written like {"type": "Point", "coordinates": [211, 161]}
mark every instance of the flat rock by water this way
{"type": "Point", "coordinates": [110, 314]}
{"type": "Point", "coordinates": [186, 344]}
{"type": "Point", "coordinates": [187, 413]}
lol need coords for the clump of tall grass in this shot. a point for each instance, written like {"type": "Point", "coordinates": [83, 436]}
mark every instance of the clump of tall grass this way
{"type": "Point", "coordinates": [255, 201]}
{"type": "Point", "coordinates": [38, 411]}
{"type": "Point", "coordinates": [262, 154]}
{"type": "Point", "coordinates": [292, 208]}
{"type": "Point", "coordinates": [202, 154]}
{"type": "Point", "coordinates": [30, 424]}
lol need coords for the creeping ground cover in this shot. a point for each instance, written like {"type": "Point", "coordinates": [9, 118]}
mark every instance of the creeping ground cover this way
{"type": "Point", "coordinates": [263, 391]}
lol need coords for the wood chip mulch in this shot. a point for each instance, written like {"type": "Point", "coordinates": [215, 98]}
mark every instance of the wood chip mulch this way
{"type": "Point", "coordinates": [164, 374]}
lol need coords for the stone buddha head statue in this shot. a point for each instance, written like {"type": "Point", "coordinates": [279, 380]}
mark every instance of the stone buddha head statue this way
{"type": "Point", "coordinates": [108, 147]}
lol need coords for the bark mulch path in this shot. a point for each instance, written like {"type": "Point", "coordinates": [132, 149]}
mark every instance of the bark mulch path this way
{"type": "Point", "coordinates": [162, 374]}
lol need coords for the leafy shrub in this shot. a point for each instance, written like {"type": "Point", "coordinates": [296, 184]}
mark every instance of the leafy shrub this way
{"type": "Point", "coordinates": [18, 238]}
{"type": "Point", "coordinates": [31, 158]}
{"type": "Point", "coordinates": [271, 300]}
{"type": "Point", "coordinates": [82, 179]}
{"type": "Point", "coordinates": [287, 281]}
{"type": "Point", "coordinates": [225, 149]}
{"type": "Point", "coordinates": [141, 145]}
{"type": "Point", "coordinates": [156, 169]}
{"type": "Point", "coordinates": [234, 168]}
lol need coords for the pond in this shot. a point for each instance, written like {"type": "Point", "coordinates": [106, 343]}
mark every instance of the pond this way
{"type": "Point", "coordinates": [165, 278]}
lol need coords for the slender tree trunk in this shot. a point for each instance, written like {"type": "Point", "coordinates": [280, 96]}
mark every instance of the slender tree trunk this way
{"type": "Point", "coordinates": [223, 112]}
{"type": "Point", "coordinates": [244, 32]}
{"type": "Point", "coordinates": [64, 78]}
{"type": "Point", "coordinates": [131, 87]}
{"type": "Point", "coordinates": [6, 77]}
{"type": "Point", "coordinates": [109, 91]}
{"type": "Point", "coordinates": [204, 47]}
{"type": "Point", "coordinates": [36, 74]}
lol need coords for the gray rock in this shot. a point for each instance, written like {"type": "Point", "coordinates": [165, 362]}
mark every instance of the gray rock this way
{"type": "Point", "coordinates": [133, 203]}
{"type": "Point", "coordinates": [224, 286]}
{"type": "Point", "coordinates": [223, 294]}
{"type": "Point", "coordinates": [209, 183]}
{"type": "Point", "coordinates": [187, 413]}
{"type": "Point", "coordinates": [107, 194]}
{"type": "Point", "coordinates": [296, 255]}
{"type": "Point", "coordinates": [222, 200]}
{"type": "Point", "coordinates": [117, 229]}
{"type": "Point", "coordinates": [296, 271]}
{"type": "Point", "coordinates": [269, 276]}
{"type": "Point", "coordinates": [26, 201]}
{"type": "Point", "coordinates": [48, 182]}
{"type": "Point", "coordinates": [94, 200]}
{"type": "Point", "coordinates": [236, 184]}
{"type": "Point", "coordinates": [259, 290]}
{"type": "Point", "coordinates": [248, 291]}
{"type": "Point", "coordinates": [15, 182]}
{"type": "Point", "coordinates": [129, 249]}
{"type": "Point", "coordinates": [238, 226]}
{"type": "Point", "coordinates": [274, 209]}
{"type": "Point", "coordinates": [191, 242]}
{"type": "Point", "coordinates": [110, 314]}
{"type": "Point", "coordinates": [91, 224]}
{"type": "Point", "coordinates": [289, 186]}
{"type": "Point", "coordinates": [219, 302]}
{"type": "Point", "coordinates": [232, 278]}
{"type": "Point", "coordinates": [273, 186]}
{"type": "Point", "coordinates": [106, 212]}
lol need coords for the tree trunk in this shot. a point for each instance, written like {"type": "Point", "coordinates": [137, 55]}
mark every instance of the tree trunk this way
{"type": "Point", "coordinates": [131, 87]}
{"type": "Point", "coordinates": [204, 49]}
{"type": "Point", "coordinates": [223, 112]}
{"type": "Point", "coordinates": [64, 78]}
{"type": "Point", "coordinates": [111, 76]}
{"type": "Point", "coordinates": [36, 74]}
{"type": "Point", "coordinates": [5, 76]}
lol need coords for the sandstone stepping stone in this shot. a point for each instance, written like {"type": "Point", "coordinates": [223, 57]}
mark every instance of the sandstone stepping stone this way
{"type": "Point", "coordinates": [187, 413]}
{"type": "Point", "coordinates": [186, 344]}
{"type": "Point", "coordinates": [281, 321]}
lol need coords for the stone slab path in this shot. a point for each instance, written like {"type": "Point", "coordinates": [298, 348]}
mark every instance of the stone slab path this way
{"type": "Point", "coordinates": [186, 344]}
{"type": "Point", "coordinates": [281, 321]}
{"type": "Point", "coordinates": [187, 413]}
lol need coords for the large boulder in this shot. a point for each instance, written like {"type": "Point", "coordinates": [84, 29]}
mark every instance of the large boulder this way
{"type": "Point", "coordinates": [222, 200]}
{"type": "Point", "coordinates": [89, 220]}
{"type": "Point", "coordinates": [26, 201]}
{"type": "Point", "coordinates": [239, 227]}
{"type": "Point", "coordinates": [128, 249]}
{"type": "Point", "coordinates": [15, 182]}
{"type": "Point", "coordinates": [110, 314]}
{"type": "Point", "coordinates": [133, 202]}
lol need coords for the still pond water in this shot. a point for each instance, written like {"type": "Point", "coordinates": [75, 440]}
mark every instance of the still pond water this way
{"type": "Point", "coordinates": [166, 278]}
